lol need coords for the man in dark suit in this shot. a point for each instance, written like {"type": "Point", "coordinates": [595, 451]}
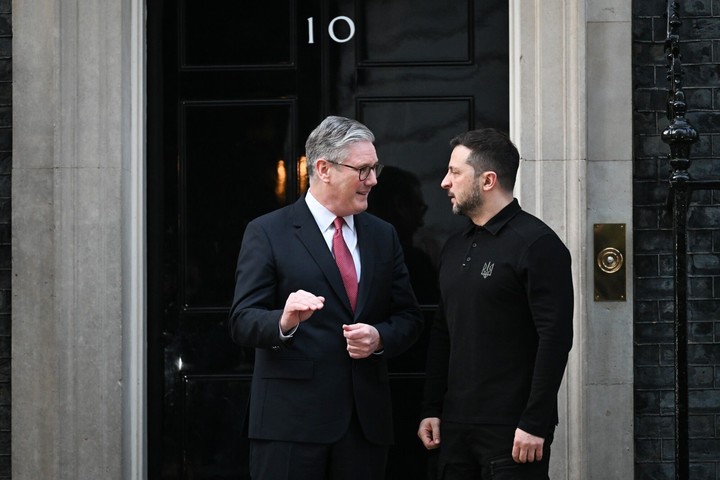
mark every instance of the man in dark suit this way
{"type": "Point", "coordinates": [323, 294]}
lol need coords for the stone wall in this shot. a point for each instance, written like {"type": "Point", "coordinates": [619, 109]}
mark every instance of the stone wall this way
{"type": "Point", "coordinates": [654, 314]}
{"type": "Point", "coordinates": [69, 77]}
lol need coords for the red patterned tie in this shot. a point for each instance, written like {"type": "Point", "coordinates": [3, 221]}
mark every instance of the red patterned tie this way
{"type": "Point", "coordinates": [345, 263]}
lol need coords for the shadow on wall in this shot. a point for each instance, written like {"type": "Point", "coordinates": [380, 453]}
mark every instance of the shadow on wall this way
{"type": "Point", "coordinates": [398, 199]}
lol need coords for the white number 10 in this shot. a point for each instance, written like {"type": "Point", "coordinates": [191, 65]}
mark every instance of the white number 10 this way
{"type": "Point", "coordinates": [331, 29]}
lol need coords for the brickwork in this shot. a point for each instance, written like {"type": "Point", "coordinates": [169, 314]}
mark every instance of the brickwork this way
{"type": "Point", "coordinates": [653, 243]}
{"type": "Point", "coordinates": [5, 255]}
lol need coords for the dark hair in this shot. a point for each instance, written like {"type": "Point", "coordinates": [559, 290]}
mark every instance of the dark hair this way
{"type": "Point", "coordinates": [491, 149]}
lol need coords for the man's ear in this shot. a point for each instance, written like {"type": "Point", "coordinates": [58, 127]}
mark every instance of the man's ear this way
{"type": "Point", "coordinates": [322, 169]}
{"type": "Point", "coordinates": [489, 180]}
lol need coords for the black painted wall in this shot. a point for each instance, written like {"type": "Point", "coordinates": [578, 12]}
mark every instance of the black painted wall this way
{"type": "Point", "coordinates": [653, 244]}
{"type": "Point", "coordinates": [5, 255]}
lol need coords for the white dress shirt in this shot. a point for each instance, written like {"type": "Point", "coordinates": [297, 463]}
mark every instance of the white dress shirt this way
{"type": "Point", "coordinates": [325, 218]}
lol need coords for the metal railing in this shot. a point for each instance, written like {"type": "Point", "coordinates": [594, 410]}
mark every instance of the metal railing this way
{"type": "Point", "coordinates": [680, 136]}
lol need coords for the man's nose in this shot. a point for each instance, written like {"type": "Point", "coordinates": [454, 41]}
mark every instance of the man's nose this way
{"type": "Point", "coordinates": [445, 183]}
{"type": "Point", "coordinates": [371, 180]}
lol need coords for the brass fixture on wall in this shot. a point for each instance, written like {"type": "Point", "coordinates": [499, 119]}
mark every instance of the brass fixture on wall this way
{"type": "Point", "coordinates": [609, 266]}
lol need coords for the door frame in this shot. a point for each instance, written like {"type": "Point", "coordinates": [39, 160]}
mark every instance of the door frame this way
{"type": "Point", "coordinates": [134, 220]}
{"type": "Point", "coordinates": [535, 125]}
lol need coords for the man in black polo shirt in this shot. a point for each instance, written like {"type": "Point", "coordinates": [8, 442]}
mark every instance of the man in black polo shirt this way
{"type": "Point", "coordinates": [500, 342]}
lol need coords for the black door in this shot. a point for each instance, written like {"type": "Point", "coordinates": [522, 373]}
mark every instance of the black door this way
{"type": "Point", "coordinates": [234, 88]}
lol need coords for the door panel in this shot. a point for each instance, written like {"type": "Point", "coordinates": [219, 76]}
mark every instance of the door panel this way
{"type": "Point", "coordinates": [231, 154]}
{"type": "Point", "coordinates": [213, 439]}
{"type": "Point", "coordinates": [227, 35]}
{"type": "Point", "coordinates": [399, 33]}
{"type": "Point", "coordinates": [234, 88]}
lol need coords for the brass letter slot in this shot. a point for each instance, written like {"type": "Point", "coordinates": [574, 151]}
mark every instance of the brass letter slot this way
{"type": "Point", "coordinates": [609, 261]}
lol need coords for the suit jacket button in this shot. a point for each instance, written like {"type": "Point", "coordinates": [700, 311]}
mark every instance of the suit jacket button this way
{"type": "Point", "coordinates": [276, 347]}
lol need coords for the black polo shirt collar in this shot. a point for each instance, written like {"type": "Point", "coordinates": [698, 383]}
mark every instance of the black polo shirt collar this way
{"type": "Point", "coordinates": [496, 223]}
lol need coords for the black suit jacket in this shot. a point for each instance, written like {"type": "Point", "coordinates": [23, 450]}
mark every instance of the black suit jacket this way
{"type": "Point", "coordinates": [304, 389]}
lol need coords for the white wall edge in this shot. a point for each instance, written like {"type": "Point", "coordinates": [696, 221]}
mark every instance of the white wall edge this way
{"type": "Point", "coordinates": [135, 241]}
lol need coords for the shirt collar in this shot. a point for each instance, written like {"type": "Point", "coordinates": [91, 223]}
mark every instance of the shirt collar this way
{"type": "Point", "coordinates": [324, 217]}
{"type": "Point", "coordinates": [496, 223]}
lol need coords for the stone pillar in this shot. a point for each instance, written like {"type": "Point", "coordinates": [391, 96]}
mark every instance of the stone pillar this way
{"type": "Point", "coordinates": [609, 378]}
{"type": "Point", "coordinates": [571, 110]}
{"type": "Point", "coordinates": [71, 183]}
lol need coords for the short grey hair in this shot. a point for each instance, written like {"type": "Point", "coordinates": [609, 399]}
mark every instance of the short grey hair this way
{"type": "Point", "coordinates": [331, 138]}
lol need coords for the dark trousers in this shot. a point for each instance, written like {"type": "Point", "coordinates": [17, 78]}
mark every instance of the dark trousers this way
{"type": "Point", "coordinates": [484, 452]}
{"type": "Point", "coordinates": [350, 458]}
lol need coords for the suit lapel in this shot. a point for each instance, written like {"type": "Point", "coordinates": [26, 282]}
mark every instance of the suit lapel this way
{"type": "Point", "coordinates": [308, 233]}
